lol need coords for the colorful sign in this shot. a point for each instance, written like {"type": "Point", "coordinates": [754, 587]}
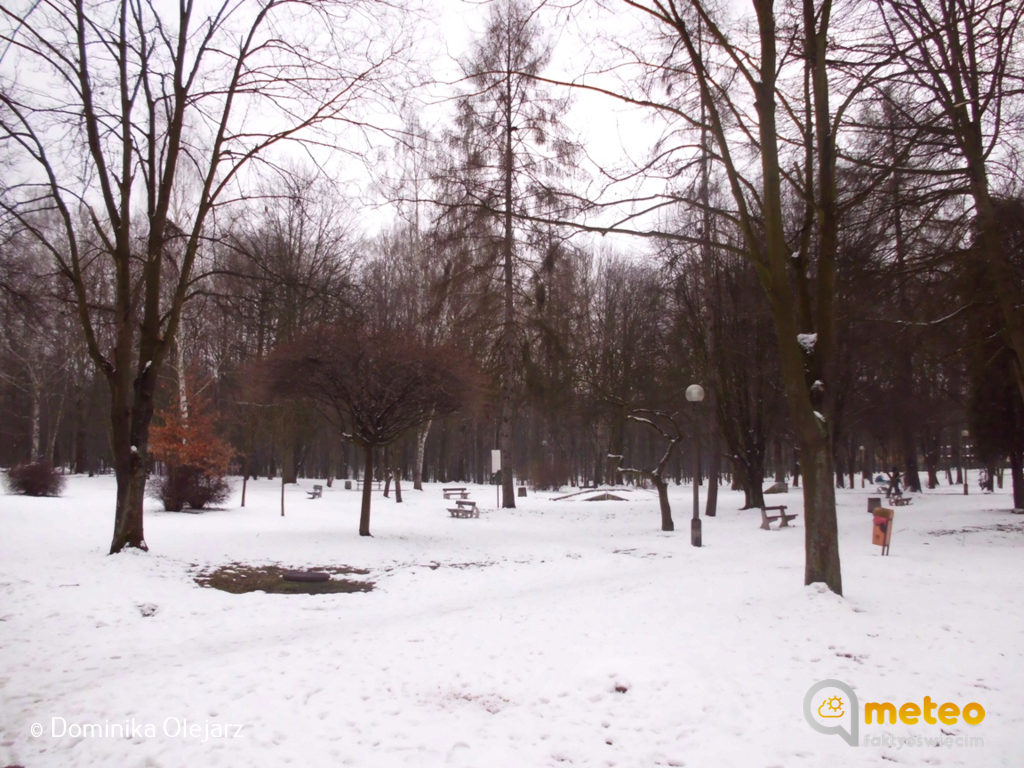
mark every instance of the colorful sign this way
{"type": "Point", "coordinates": [881, 533]}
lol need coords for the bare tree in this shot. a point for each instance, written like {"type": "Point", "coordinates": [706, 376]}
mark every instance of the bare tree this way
{"type": "Point", "coordinates": [620, 339]}
{"type": "Point", "coordinates": [959, 72]}
{"type": "Point", "coordinates": [285, 266]}
{"type": "Point", "coordinates": [797, 270]}
{"type": "Point", "coordinates": [730, 333]}
{"type": "Point", "coordinates": [139, 115]}
{"type": "Point", "coordinates": [667, 426]}
{"type": "Point", "coordinates": [374, 387]}
{"type": "Point", "coordinates": [506, 150]}
{"type": "Point", "coordinates": [399, 286]}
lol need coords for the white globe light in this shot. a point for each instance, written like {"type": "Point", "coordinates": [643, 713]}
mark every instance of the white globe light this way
{"type": "Point", "coordinates": [695, 393]}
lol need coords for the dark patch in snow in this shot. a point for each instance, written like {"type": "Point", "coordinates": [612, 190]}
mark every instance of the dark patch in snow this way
{"type": "Point", "coordinates": [852, 656]}
{"type": "Point", "coordinates": [239, 578]}
{"type": "Point", "coordinates": [1000, 527]}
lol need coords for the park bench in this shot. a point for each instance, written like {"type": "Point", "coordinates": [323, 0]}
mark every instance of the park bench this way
{"type": "Point", "coordinates": [455, 493]}
{"type": "Point", "coordinates": [316, 493]}
{"type": "Point", "coordinates": [894, 496]}
{"type": "Point", "coordinates": [780, 514]}
{"type": "Point", "coordinates": [464, 508]}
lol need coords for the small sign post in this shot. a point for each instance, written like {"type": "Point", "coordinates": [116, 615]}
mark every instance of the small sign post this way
{"type": "Point", "coordinates": [881, 533]}
{"type": "Point", "coordinates": [495, 469]}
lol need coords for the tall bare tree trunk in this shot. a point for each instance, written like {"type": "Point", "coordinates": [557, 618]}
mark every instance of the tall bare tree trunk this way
{"type": "Point", "coordinates": [364, 509]}
{"type": "Point", "coordinates": [36, 418]}
{"type": "Point", "coordinates": [421, 452]}
{"type": "Point", "coordinates": [508, 496]}
{"type": "Point", "coordinates": [714, 473]}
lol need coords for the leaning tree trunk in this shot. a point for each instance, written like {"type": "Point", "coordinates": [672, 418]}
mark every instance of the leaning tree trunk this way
{"type": "Point", "coordinates": [666, 510]}
{"type": "Point", "coordinates": [364, 510]}
{"type": "Point", "coordinates": [714, 474]}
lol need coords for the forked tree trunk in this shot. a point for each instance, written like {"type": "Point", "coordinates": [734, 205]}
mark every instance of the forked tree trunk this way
{"type": "Point", "coordinates": [131, 414]}
{"type": "Point", "coordinates": [130, 474]}
{"type": "Point", "coordinates": [128, 531]}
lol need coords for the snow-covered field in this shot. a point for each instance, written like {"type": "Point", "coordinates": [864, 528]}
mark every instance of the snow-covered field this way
{"type": "Point", "coordinates": [560, 633]}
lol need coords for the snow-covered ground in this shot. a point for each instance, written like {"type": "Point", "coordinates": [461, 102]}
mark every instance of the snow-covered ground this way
{"type": "Point", "coordinates": [559, 633]}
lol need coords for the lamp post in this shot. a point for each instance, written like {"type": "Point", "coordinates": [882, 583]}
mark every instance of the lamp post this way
{"type": "Point", "coordinates": [965, 434]}
{"type": "Point", "coordinates": [863, 465]}
{"type": "Point", "coordinates": [695, 394]}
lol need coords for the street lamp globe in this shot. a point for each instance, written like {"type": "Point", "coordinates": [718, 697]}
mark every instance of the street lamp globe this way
{"type": "Point", "coordinates": [695, 393]}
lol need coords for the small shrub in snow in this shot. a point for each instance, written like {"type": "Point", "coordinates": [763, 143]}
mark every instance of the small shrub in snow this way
{"type": "Point", "coordinates": [35, 478]}
{"type": "Point", "coordinates": [190, 486]}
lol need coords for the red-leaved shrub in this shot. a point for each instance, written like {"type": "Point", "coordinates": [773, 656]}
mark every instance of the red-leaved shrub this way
{"type": "Point", "coordinates": [196, 459]}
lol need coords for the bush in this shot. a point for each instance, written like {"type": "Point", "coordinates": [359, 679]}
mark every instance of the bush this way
{"type": "Point", "coordinates": [35, 478]}
{"type": "Point", "coordinates": [195, 457]}
{"type": "Point", "coordinates": [190, 486]}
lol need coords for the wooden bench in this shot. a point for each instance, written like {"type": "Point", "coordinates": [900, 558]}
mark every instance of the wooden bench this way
{"type": "Point", "coordinates": [780, 510]}
{"type": "Point", "coordinates": [455, 493]}
{"type": "Point", "coordinates": [464, 508]}
{"type": "Point", "coordinates": [900, 501]}
{"type": "Point", "coordinates": [316, 493]}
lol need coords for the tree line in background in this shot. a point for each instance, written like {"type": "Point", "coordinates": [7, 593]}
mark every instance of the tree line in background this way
{"type": "Point", "coordinates": [828, 235]}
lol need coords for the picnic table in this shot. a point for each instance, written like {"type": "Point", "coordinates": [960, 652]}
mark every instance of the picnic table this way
{"type": "Point", "coordinates": [464, 508]}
